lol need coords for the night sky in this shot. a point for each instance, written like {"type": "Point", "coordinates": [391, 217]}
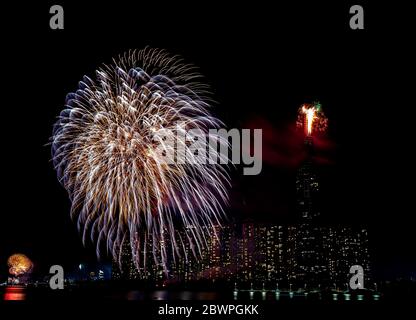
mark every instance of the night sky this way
{"type": "Point", "coordinates": [262, 63]}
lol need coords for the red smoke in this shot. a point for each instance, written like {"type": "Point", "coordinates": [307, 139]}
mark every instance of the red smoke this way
{"type": "Point", "coordinates": [283, 146]}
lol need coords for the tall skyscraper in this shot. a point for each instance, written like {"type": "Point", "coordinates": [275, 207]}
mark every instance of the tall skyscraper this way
{"type": "Point", "coordinates": [323, 254]}
{"type": "Point", "coordinates": [310, 267]}
{"type": "Point", "coordinates": [307, 186]}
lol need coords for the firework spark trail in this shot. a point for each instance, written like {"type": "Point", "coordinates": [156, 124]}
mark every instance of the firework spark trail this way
{"type": "Point", "coordinates": [104, 149]}
{"type": "Point", "coordinates": [310, 116]}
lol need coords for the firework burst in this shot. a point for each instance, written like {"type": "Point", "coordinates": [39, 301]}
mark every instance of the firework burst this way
{"type": "Point", "coordinates": [19, 264]}
{"type": "Point", "coordinates": [311, 118]}
{"type": "Point", "coordinates": [104, 150]}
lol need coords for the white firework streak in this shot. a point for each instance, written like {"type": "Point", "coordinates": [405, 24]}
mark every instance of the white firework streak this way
{"type": "Point", "coordinates": [104, 151]}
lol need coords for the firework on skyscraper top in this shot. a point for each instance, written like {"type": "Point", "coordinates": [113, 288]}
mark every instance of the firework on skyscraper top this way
{"type": "Point", "coordinates": [311, 118]}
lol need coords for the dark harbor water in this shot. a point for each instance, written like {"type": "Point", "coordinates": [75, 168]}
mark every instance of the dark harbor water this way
{"type": "Point", "coordinates": [16, 293]}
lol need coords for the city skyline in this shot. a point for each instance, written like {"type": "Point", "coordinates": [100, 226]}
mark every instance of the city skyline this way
{"type": "Point", "coordinates": [260, 75]}
{"type": "Point", "coordinates": [307, 255]}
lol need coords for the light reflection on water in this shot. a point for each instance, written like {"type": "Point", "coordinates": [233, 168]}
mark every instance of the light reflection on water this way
{"type": "Point", "coordinates": [14, 293]}
{"type": "Point", "coordinates": [246, 295]}
{"type": "Point", "coordinates": [181, 295]}
{"type": "Point", "coordinates": [17, 293]}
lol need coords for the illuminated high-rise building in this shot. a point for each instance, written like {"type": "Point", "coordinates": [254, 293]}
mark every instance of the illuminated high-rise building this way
{"type": "Point", "coordinates": [310, 265]}
{"type": "Point", "coordinates": [125, 268]}
{"type": "Point", "coordinates": [346, 246]}
{"type": "Point", "coordinates": [307, 186]}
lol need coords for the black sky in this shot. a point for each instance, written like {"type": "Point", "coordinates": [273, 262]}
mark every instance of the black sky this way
{"type": "Point", "coordinates": [262, 64]}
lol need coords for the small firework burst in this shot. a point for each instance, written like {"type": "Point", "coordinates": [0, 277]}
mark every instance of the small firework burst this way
{"type": "Point", "coordinates": [19, 264]}
{"type": "Point", "coordinates": [311, 118]}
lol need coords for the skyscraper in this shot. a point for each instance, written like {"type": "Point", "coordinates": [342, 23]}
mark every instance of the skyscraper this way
{"type": "Point", "coordinates": [307, 186]}
{"type": "Point", "coordinates": [323, 254]}
{"type": "Point", "coordinates": [310, 267]}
